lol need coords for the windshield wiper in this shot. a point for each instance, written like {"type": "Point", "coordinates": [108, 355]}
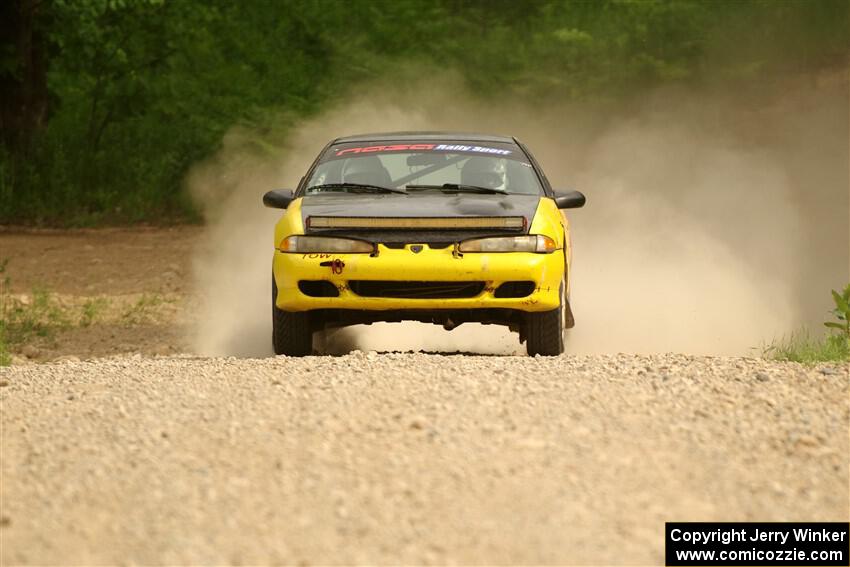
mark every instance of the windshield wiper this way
{"type": "Point", "coordinates": [357, 187]}
{"type": "Point", "coordinates": [460, 188]}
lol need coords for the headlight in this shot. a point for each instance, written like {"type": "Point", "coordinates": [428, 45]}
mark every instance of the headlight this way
{"type": "Point", "coordinates": [532, 243]}
{"type": "Point", "coordinates": [324, 244]}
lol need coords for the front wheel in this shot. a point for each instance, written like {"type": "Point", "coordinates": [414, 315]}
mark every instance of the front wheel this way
{"type": "Point", "coordinates": [545, 330]}
{"type": "Point", "coordinates": [292, 333]}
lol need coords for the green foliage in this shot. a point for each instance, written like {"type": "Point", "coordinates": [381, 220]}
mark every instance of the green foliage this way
{"type": "Point", "coordinates": [24, 319]}
{"type": "Point", "coordinates": [5, 355]}
{"type": "Point", "coordinates": [21, 320]}
{"type": "Point", "coordinates": [142, 89]}
{"type": "Point", "coordinates": [143, 310]}
{"type": "Point", "coordinates": [802, 347]}
{"type": "Point", "coordinates": [841, 312]}
{"type": "Point", "coordinates": [40, 316]}
{"type": "Point", "coordinates": [92, 310]}
{"type": "Point", "coordinates": [841, 327]}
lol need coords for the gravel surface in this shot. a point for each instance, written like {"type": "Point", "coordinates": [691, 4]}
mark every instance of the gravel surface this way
{"type": "Point", "coordinates": [409, 458]}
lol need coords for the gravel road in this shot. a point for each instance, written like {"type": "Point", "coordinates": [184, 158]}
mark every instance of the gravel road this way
{"type": "Point", "coordinates": [409, 458]}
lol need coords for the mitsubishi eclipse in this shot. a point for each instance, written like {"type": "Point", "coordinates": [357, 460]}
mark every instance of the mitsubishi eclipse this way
{"type": "Point", "coordinates": [435, 227]}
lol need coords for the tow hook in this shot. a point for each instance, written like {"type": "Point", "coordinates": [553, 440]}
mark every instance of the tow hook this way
{"type": "Point", "coordinates": [456, 250]}
{"type": "Point", "coordinates": [336, 266]}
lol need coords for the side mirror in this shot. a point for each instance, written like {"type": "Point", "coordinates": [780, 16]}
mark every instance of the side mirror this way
{"type": "Point", "coordinates": [278, 198]}
{"type": "Point", "coordinates": [570, 200]}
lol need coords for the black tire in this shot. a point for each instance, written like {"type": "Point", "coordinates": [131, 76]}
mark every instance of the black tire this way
{"type": "Point", "coordinates": [292, 333]}
{"type": "Point", "coordinates": [545, 330]}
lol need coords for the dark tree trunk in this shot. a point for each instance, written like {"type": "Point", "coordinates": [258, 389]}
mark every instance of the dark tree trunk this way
{"type": "Point", "coordinates": [23, 72]}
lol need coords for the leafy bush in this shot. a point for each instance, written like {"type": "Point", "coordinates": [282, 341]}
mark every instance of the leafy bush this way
{"type": "Point", "coordinates": [842, 314]}
{"type": "Point", "coordinates": [139, 90]}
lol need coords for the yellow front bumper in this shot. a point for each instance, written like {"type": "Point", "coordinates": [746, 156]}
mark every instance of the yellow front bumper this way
{"type": "Point", "coordinates": [546, 270]}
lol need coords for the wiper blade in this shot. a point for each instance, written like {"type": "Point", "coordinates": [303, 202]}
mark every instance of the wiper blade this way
{"type": "Point", "coordinates": [357, 187]}
{"type": "Point", "coordinates": [460, 188]}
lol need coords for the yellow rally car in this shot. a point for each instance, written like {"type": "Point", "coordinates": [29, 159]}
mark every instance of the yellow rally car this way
{"type": "Point", "coordinates": [437, 227]}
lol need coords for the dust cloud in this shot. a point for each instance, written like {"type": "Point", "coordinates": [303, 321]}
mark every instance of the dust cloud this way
{"type": "Point", "coordinates": [715, 223]}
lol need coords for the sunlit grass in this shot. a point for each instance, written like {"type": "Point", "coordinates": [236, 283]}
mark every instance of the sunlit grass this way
{"type": "Point", "coordinates": [807, 349]}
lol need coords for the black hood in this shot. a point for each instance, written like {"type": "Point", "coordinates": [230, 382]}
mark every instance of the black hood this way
{"type": "Point", "coordinates": [420, 205]}
{"type": "Point", "coordinates": [417, 205]}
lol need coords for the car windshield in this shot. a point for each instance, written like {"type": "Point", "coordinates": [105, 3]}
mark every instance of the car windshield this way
{"type": "Point", "coordinates": [446, 167]}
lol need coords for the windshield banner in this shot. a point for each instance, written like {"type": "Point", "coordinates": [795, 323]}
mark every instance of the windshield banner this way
{"type": "Point", "coordinates": [461, 148]}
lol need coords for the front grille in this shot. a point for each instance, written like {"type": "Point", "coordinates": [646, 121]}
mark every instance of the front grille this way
{"type": "Point", "coordinates": [432, 245]}
{"type": "Point", "coordinates": [416, 290]}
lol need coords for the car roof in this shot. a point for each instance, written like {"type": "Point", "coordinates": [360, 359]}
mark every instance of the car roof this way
{"type": "Point", "coordinates": [425, 135]}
